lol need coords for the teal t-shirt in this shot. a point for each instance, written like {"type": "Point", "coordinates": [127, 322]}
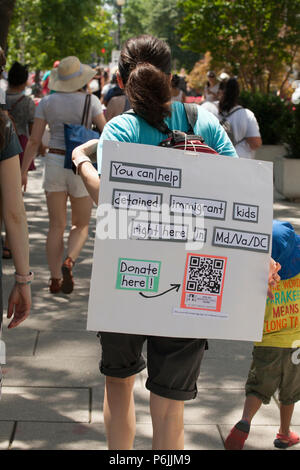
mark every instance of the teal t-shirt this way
{"type": "Point", "coordinates": [12, 145]}
{"type": "Point", "coordinates": [134, 129]}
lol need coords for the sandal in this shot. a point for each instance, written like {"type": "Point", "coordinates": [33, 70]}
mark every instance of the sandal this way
{"type": "Point", "coordinates": [54, 285]}
{"type": "Point", "coordinates": [6, 253]}
{"type": "Point", "coordinates": [237, 436]}
{"type": "Point", "coordinates": [67, 285]}
{"type": "Point", "coordinates": [283, 441]}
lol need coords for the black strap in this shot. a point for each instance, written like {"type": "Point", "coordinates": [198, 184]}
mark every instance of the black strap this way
{"type": "Point", "coordinates": [86, 110]}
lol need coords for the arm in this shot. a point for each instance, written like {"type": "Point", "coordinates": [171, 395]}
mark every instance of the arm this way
{"type": "Point", "coordinates": [86, 170]}
{"type": "Point", "coordinates": [273, 277]}
{"type": "Point", "coordinates": [252, 134]}
{"type": "Point", "coordinates": [253, 142]}
{"type": "Point", "coordinates": [32, 147]}
{"type": "Point", "coordinates": [100, 121]}
{"type": "Point", "coordinates": [14, 215]}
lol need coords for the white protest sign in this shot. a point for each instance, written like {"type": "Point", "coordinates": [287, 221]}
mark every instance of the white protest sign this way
{"type": "Point", "coordinates": [182, 245]}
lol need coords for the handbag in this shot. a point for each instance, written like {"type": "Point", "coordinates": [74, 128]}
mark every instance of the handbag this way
{"type": "Point", "coordinates": [77, 134]}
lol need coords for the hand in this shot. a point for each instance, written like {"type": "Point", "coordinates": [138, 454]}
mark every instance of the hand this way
{"type": "Point", "coordinates": [24, 181]}
{"type": "Point", "coordinates": [274, 277]}
{"type": "Point", "coordinates": [88, 148]}
{"type": "Point", "coordinates": [19, 304]}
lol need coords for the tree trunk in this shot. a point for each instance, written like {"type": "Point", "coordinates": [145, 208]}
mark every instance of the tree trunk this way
{"type": "Point", "coordinates": [6, 11]}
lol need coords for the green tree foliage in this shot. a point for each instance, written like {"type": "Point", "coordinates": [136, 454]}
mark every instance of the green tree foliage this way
{"type": "Point", "coordinates": [273, 114]}
{"type": "Point", "coordinates": [254, 37]}
{"type": "Point", "coordinates": [159, 18]}
{"type": "Point", "coordinates": [43, 31]}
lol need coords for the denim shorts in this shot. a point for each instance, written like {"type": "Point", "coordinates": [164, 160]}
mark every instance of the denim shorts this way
{"type": "Point", "coordinates": [173, 363]}
{"type": "Point", "coordinates": [274, 369]}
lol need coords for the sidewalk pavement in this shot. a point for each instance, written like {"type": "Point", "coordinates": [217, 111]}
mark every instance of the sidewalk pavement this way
{"type": "Point", "coordinates": [52, 394]}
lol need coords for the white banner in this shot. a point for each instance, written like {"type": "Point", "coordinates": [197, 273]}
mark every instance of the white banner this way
{"type": "Point", "coordinates": [182, 245]}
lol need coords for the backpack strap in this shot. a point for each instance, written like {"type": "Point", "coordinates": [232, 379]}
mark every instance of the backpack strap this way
{"type": "Point", "coordinates": [236, 109]}
{"type": "Point", "coordinates": [86, 110]}
{"type": "Point", "coordinates": [232, 112]}
{"type": "Point", "coordinates": [127, 105]}
{"type": "Point", "coordinates": [16, 102]}
{"type": "Point", "coordinates": [191, 110]}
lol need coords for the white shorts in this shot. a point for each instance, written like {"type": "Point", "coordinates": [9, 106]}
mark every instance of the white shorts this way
{"type": "Point", "coordinates": [57, 178]}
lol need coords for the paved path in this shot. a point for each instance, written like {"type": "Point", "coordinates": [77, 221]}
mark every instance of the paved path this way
{"type": "Point", "coordinates": [53, 391]}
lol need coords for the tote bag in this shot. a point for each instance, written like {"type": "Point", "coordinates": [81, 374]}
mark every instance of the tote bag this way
{"type": "Point", "coordinates": [77, 134]}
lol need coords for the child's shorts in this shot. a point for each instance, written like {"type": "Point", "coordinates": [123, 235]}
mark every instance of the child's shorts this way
{"type": "Point", "coordinates": [173, 363]}
{"type": "Point", "coordinates": [272, 369]}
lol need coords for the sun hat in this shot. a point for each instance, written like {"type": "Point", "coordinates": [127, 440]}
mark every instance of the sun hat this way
{"type": "Point", "coordinates": [70, 75]}
{"type": "Point", "coordinates": [286, 249]}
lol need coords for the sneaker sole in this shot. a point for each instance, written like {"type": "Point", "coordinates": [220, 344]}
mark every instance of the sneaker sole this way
{"type": "Point", "coordinates": [67, 285]}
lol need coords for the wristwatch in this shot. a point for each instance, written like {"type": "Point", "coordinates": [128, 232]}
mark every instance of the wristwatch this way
{"type": "Point", "coordinates": [79, 160]}
{"type": "Point", "coordinates": [24, 279]}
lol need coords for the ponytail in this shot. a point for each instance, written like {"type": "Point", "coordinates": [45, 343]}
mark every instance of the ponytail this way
{"type": "Point", "coordinates": [145, 66]}
{"type": "Point", "coordinates": [149, 93]}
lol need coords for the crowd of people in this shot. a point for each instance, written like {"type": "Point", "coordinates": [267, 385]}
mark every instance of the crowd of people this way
{"type": "Point", "coordinates": [145, 84]}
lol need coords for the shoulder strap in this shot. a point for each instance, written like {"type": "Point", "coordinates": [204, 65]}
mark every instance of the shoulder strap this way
{"type": "Point", "coordinates": [127, 104]}
{"type": "Point", "coordinates": [191, 110]}
{"type": "Point", "coordinates": [236, 109]}
{"type": "Point", "coordinates": [86, 110]}
{"type": "Point", "coordinates": [15, 104]}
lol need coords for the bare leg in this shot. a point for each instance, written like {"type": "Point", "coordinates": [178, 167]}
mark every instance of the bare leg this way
{"type": "Point", "coordinates": [119, 412]}
{"type": "Point", "coordinates": [81, 214]}
{"type": "Point", "coordinates": [286, 413]}
{"type": "Point", "coordinates": [251, 407]}
{"type": "Point", "coordinates": [167, 422]}
{"type": "Point", "coordinates": [56, 203]}
{"type": "Point", "coordinates": [239, 433]}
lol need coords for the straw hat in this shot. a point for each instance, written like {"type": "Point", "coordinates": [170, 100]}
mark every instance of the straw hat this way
{"type": "Point", "coordinates": [70, 75]}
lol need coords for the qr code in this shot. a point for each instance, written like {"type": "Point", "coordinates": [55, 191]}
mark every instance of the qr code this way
{"type": "Point", "coordinates": [205, 274]}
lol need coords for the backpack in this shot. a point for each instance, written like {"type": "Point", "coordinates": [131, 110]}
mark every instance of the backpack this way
{"type": "Point", "coordinates": [184, 140]}
{"type": "Point", "coordinates": [227, 126]}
